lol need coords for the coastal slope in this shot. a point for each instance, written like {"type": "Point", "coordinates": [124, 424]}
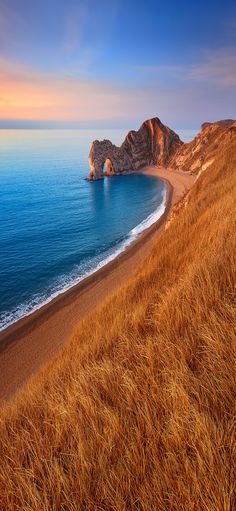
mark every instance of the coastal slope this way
{"type": "Point", "coordinates": [31, 342]}
{"type": "Point", "coordinates": [137, 412]}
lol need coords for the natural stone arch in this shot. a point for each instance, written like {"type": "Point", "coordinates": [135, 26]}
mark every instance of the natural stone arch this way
{"type": "Point", "coordinates": [100, 154]}
{"type": "Point", "coordinates": [152, 144]}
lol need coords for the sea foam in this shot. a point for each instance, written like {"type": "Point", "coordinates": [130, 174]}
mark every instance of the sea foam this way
{"type": "Point", "coordinates": [81, 272]}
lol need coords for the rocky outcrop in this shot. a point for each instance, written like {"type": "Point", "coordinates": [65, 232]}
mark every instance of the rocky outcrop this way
{"type": "Point", "coordinates": [198, 155]}
{"type": "Point", "coordinates": [156, 144]}
{"type": "Point", "coordinates": [152, 144]}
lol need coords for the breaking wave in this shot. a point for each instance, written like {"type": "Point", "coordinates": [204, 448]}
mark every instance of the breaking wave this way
{"type": "Point", "coordinates": [80, 272]}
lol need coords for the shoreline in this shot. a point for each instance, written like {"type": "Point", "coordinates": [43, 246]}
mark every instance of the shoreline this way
{"type": "Point", "coordinates": [30, 342]}
{"type": "Point", "coordinates": [118, 249]}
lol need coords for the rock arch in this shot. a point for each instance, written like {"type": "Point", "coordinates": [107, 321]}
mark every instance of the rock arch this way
{"type": "Point", "coordinates": [152, 144]}
{"type": "Point", "coordinates": [101, 153]}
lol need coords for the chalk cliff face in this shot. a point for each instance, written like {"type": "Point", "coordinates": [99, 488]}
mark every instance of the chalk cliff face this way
{"type": "Point", "coordinates": [152, 144]}
{"type": "Point", "coordinates": [196, 156]}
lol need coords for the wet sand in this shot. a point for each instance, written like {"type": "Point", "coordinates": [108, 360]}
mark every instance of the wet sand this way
{"type": "Point", "coordinates": [32, 341]}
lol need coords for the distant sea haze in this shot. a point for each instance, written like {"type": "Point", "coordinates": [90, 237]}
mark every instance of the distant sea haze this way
{"type": "Point", "coordinates": [55, 227]}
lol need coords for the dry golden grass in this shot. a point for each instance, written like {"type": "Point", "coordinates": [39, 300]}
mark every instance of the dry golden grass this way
{"type": "Point", "coordinates": [137, 412]}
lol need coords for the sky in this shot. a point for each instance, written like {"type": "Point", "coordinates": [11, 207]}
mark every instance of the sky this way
{"type": "Point", "coordinates": [115, 63]}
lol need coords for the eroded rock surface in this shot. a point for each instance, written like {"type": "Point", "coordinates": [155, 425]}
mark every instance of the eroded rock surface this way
{"type": "Point", "coordinates": [198, 155]}
{"type": "Point", "coordinates": [153, 144]}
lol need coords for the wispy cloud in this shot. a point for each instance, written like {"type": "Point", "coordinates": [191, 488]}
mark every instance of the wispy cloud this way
{"type": "Point", "coordinates": [26, 94]}
{"type": "Point", "coordinates": [10, 21]}
{"type": "Point", "coordinates": [84, 18]}
{"type": "Point", "coordinates": [75, 21]}
{"type": "Point", "coordinates": [217, 67]}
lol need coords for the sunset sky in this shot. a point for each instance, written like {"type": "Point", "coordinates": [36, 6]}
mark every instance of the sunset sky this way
{"type": "Point", "coordinates": [114, 63]}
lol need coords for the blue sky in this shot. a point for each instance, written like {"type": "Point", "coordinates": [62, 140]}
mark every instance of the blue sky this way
{"type": "Point", "coordinates": [115, 63]}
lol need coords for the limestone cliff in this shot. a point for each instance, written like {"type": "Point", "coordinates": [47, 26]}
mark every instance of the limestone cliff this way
{"type": "Point", "coordinates": [152, 144]}
{"type": "Point", "coordinates": [196, 156]}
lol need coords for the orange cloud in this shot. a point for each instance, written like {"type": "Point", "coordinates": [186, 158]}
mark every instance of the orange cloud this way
{"type": "Point", "coordinates": [28, 95]}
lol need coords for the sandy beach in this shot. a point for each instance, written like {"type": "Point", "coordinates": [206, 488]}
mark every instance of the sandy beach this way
{"type": "Point", "coordinates": [32, 341]}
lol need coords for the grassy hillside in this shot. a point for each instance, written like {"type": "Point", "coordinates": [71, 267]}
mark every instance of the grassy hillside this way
{"type": "Point", "coordinates": [137, 412]}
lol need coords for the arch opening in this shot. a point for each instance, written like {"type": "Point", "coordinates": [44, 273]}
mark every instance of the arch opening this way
{"type": "Point", "coordinates": [108, 168]}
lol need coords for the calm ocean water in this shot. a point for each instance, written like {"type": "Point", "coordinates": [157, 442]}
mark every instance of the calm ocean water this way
{"type": "Point", "coordinates": [55, 227]}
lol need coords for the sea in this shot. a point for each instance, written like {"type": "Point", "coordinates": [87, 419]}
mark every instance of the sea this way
{"type": "Point", "coordinates": [56, 228]}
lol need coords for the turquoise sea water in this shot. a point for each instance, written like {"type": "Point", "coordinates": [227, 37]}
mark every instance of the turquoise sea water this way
{"type": "Point", "coordinates": [55, 227]}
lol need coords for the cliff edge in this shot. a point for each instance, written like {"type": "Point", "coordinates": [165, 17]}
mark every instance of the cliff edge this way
{"type": "Point", "coordinates": [200, 153]}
